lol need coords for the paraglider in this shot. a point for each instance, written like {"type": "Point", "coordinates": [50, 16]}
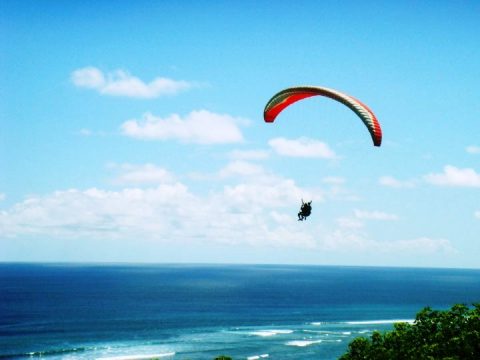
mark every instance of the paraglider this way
{"type": "Point", "coordinates": [286, 97]}
{"type": "Point", "coordinates": [305, 210]}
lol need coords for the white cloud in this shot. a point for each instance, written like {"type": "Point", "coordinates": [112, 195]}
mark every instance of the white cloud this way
{"type": "Point", "coordinates": [302, 147]}
{"type": "Point", "coordinates": [351, 239]}
{"type": "Point", "coordinates": [252, 213]}
{"type": "Point", "coordinates": [264, 195]}
{"type": "Point", "coordinates": [201, 127]}
{"type": "Point", "coordinates": [121, 83]}
{"type": "Point", "coordinates": [256, 208]}
{"type": "Point", "coordinates": [95, 213]}
{"type": "Point", "coordinates": [423, 245]}
{"type": "Point", "coordinates": [261, 189]}
{"type": "Point", "coordinates": [2, 196]}
{"type": "Point", "coordinates": [477, 214]}
{"type": "Point", "coordinates": [374, 215]}
{"type": "Point", "coordinates": [356, 221]}
{"type": "Point", "coordinates": [249, 155]}
{"type": "Point", "coordinates": [390, 181]}
{"type": "Point", "coordinates": [248, 213]}
{"type": "Point", "coordinates": [472, 149]}
{"type": "Point", "coordinates": [453, 176]}
{"type": "Point", "coordinates": [89, 77]}
{"type": "Point", "coordinates": [142, 174]}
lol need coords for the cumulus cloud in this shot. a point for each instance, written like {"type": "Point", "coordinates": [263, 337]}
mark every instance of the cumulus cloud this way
{"type": "Point", "coordinates": [200, 127]}
{"type": "Point", "coordinates": [472, 149]}
{"type": "Point", "coordinates": [121, 83]}
{"type": "Point", "coordinates": [392, 182]}
{"type": "Point", "coordinates": [88, 77]}
{"type": "Point", "coordinates": [142, 174]}
{"type": "Point", "coordinates": [250, 212]}
{"type": "Point", "coordinates": [255, 208]}
{"type": "Point", "coordinates": [247, 213]}
{"type": "Point", "coordinates": [453, 176]}
{"type": "Point", "coordinates": [95, 212]}
{"type": "Point", "coordinates": [477, 214]}
{"type": "Point", "coordinates": [259, 188]}
{"type": "Point", "coordinates": [264, 195]}
{"type": "Point", "coordinates": [302, 147]}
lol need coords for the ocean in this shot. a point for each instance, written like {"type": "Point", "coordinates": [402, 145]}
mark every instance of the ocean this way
{"type": "Point", "coordinates": [180, 312]}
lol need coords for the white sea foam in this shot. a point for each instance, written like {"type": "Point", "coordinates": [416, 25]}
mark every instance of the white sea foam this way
{"type": "Point", "coordinates": [138, 357]}
{"type": "Point", "coordinates": [265, 333]}
{"type": "Point", "coordinates": [303, 343]}
{"type": "Point", "coordinates": [377, 322]}
{"type": "Point", "coordinates": [318, 323]}
{"type": "Point", "coordinates": [328, 333]}
{"type": "Point", "coordinates": [256, 357]}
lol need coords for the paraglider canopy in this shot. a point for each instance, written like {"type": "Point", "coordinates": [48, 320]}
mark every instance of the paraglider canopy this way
{"type": "Point", "coordinates": [286, 97]}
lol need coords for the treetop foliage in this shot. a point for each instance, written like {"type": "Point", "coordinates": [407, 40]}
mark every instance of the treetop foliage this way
{"type": "Point", "coordinates": [435, 335]}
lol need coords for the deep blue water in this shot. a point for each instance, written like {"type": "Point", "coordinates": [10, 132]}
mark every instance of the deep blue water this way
{"type": "Point", "coordinates": [60, 311]}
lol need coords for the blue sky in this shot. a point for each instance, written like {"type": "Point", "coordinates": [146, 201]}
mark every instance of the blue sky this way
{"type": "Point", "coordinates": [133, 131]}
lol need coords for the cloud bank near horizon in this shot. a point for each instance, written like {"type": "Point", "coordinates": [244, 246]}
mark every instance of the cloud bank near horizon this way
{"type": "Point", "coordinates": [249, 212]}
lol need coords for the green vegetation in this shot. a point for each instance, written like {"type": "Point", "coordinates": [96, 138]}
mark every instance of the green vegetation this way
{"type": "Point", "coordinates": [436, 335]}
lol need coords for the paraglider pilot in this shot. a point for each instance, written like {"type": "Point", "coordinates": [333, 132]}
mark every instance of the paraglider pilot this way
{"type": "Point", "coordinates": [305, 210]}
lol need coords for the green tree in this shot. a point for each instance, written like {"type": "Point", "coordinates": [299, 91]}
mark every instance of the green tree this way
{"type": "Point", "coordinates": [435, 335]}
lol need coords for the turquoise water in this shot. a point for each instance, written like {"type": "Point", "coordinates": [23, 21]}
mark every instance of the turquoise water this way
{"type": "Point", "coordinates": [59, 311]}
